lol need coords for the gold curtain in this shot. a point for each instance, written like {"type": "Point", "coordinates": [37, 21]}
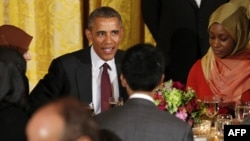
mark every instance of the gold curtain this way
{"type": "Point", "coordinates": [57, 27]}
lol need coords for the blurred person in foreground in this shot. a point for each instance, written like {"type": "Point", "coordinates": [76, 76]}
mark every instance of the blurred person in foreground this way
{"type": "Point", "coordinates": [64, 119]}
{"type": "Point", "coordinates": [225, 70]}
{"type": "Point", "coordinates": [139, 119]}
{"type": "Point", "coordinates": [79, 73]}
{"type": "Point", "coordinates": [14, 89]}
{"type": "Point", "coordinates": [16, 38]}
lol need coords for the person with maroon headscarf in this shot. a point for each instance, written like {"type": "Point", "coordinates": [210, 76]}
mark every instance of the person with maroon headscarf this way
{"type": "Point", "coordinates": [16, 38]}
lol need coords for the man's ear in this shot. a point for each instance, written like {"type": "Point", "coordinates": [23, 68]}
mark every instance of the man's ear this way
{"type": "Point", "coordinates": [123, 81]}
{"type": "Point", "coordinates": [88, 34]}
{"type": "Point", "coordinates": [162, 78]}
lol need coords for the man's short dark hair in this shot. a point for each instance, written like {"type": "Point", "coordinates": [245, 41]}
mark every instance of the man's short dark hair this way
{"type": "Point", "coordinates": [103, 12]}
{"type": "Point", "coordinates": [143, 67]}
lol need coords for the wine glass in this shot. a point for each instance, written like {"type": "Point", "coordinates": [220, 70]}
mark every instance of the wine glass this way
{"type": "Point", "coordinates": [242, 110]}
{"type": "Point", "coordinates": [211, 104]}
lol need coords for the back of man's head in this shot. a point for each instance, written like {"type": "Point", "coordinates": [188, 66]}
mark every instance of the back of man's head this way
{"type": "Point", "coordinates": [65, 119]}
{"type": "Point", "coordinates": [142, 67]}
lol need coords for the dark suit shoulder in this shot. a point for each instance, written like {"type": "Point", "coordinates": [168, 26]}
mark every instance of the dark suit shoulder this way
{"type": "Point", "coordinates": [144, 115]}
{"type": "Point", "coordinates": [82, 55]}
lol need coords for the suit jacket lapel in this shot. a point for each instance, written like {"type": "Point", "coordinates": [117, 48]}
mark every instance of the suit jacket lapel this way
{"type": "Point", "coordinates": [193, 3]}
{"type": "Point", "coordinates": [84, 82]}
{"type": "Point", "coordinates": [203, 2]}
{"type": "Point", "coordinates": [83, 76]}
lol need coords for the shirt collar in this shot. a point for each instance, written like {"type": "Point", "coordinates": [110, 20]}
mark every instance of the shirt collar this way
{"type": "Point", "coordinates": [143, 96]}
{"type": "Point", "coordinates": [97, 62]}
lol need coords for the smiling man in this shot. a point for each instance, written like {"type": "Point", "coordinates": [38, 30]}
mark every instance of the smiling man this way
{"type": "Point", "coordinates": [79, 73]}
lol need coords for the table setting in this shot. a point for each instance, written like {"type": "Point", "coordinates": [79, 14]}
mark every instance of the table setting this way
{"type": "Point", "coordinates": [212, 129]}
{"type": "Point", "coordinates": [206, 117]}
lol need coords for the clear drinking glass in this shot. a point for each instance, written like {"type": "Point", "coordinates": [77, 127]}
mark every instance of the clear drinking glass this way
{"type": "Point", "coordinates": [211, 106]}
{"type": "Point", "coordinates": [242, 110]}
{"type": "Point", "coordinates": [221, 120]}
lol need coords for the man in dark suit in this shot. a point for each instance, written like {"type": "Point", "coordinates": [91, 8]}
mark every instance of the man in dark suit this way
{"type": "Point", "coordinates": [78, 73]}
{"type": "Point", "coordinates": [179, 28]}
{"type": "Point", "coordinates": [139, 119]}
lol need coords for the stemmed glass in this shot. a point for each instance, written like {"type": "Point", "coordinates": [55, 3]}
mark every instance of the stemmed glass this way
{"type": "Point", "coordinates": [211, 104]}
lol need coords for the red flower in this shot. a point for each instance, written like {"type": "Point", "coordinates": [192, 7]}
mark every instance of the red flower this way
{"type": "Point", "coordinates": [178, 85]}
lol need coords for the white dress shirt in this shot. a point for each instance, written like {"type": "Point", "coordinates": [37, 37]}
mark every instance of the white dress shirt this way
{"type": "Point", "coordinates": [97, 63]}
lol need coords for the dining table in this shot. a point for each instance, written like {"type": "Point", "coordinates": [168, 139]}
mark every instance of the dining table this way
{"type": "Point", "coordinates": [212, 136]}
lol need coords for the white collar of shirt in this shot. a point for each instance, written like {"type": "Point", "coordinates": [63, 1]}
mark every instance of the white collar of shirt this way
{"type": "Point", "coordinates": [97, 62]}
{"type": "Point", "coordinates": [198, 2]}
{"type": "Point", "coordinates": [143, 96]}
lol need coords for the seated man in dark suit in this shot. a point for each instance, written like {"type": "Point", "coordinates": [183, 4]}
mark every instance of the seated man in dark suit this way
{"type": "Point", "coordinates": [139, 119]}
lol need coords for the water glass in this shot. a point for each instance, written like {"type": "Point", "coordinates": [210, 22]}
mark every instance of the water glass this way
{"type": "Point", "coordinates": [242, 110]}
{"type": "Point", "coordinates": [221, 120]}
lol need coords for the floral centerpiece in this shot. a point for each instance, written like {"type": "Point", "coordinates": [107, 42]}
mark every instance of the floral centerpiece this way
{"type": "Point", "coordinates": [179, 101]}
